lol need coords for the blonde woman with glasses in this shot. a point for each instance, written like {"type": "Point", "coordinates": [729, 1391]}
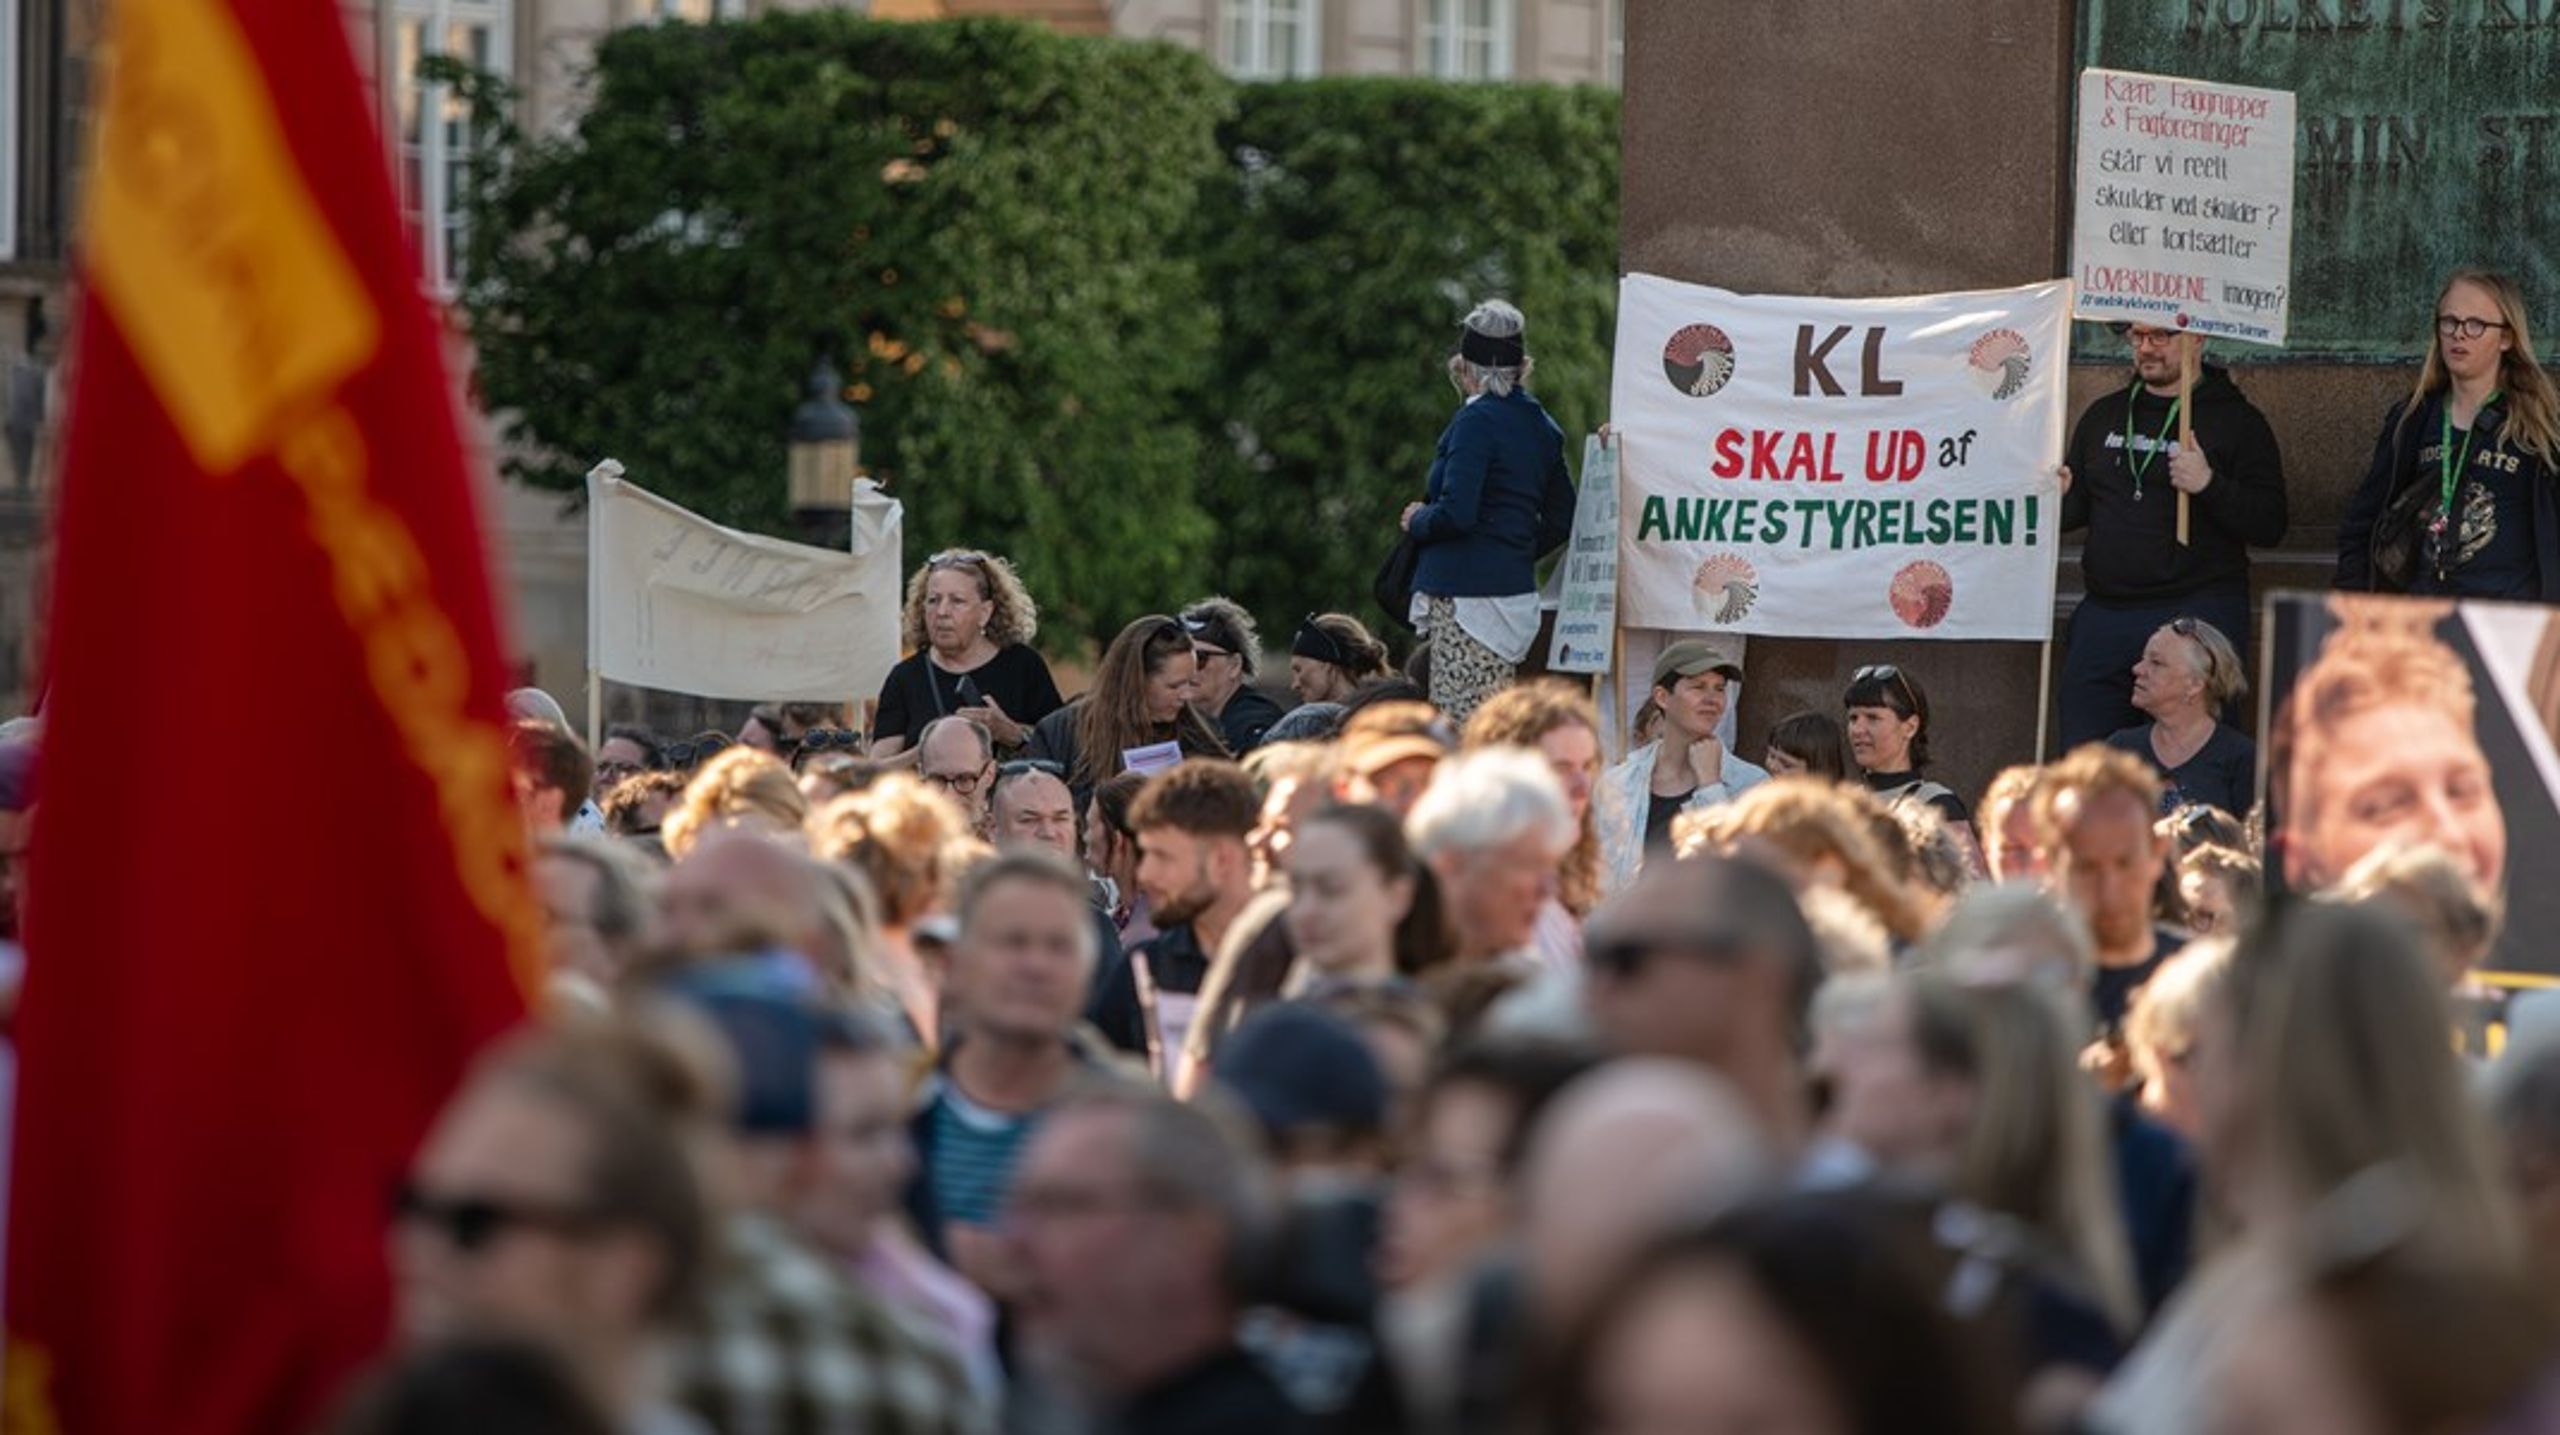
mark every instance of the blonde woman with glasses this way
{"type": "Point", "coordinates": [2460, 498]}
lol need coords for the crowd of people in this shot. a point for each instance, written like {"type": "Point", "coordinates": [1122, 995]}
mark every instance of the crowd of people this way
{"type": "Point", "coordinates": [1167, 1060]}
{"type": "Point", "coordinates": [1162, 1060]}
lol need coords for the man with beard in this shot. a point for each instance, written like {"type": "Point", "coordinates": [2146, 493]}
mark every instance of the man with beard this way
{"type": "Point", "coordinates": [1197, 873]}
{"type": "Point", "coordinates": [2123, 481]}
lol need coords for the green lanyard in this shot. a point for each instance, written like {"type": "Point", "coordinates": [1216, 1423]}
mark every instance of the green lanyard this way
{"type": "Point", "coordinates": [2142, 465]}
{"type": "Point", "coordinates": [2448, 468]}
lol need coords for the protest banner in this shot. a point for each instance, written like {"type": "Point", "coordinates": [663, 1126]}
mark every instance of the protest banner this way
{"type": "Point", "coordinates": [679, 603]}
{"type": "Point", "coordinates": [1587, 609]}
{"type": "Point", "coordinates": [2184, 214]}
{"type": "Point", "coordinates": [1839, 468]}
{"type": "Point", "coordinates": [2411, 721]}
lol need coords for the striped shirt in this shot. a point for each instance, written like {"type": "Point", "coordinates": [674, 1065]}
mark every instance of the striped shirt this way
{"type": "Point", "coordinates": [974, 1149]}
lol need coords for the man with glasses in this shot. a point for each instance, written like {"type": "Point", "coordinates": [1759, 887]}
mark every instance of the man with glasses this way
{"type": "Point", "coordinates": [2123, 480]}
{"type": "Point", "coordinates": [1133, 1227]}
{"type": "Point", "coordinates": [958, 756]}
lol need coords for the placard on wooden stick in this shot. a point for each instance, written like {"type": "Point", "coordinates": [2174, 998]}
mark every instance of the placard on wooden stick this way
{"type": "Point", "coordinates": [2183, 217]}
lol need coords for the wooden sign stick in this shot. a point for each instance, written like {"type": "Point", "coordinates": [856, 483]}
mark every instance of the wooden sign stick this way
{"type": "Point", "coordinates": [2188, 347]}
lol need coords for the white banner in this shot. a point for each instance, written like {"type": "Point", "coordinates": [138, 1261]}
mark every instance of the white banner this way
{"type": "Point", "coordinates": [2184, 217]}
{"type": "Point", "coordinates": [1587, 604]}
{"type": "Point", "coordinates": [1839, 468]}
{"type": "Point", "coordinates": [677, 602]}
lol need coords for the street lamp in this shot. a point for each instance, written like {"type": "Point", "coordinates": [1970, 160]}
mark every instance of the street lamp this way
{"type": "Point", "coordinates": [826, 454]}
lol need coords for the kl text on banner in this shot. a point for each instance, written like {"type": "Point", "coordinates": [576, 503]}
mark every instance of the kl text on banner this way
{"type": "Point", "coordinates": [2184, 215]}
{"type": "Point", "coordinates": [685, 605]}
{"type": "Point", "coordinates": [1839, 468]}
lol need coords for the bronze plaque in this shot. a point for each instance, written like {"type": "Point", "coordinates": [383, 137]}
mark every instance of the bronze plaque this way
{"type": "Point", "coordinates": [2430, 139]}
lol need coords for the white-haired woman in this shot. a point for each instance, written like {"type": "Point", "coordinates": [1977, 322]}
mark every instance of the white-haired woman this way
{"type": "Point", "coordinates": [968, 631]}
{"type": "Point", "coordinates": [1498, 500]}
{"type": "Point", "coordinates": [2188, 677]}
{"type": "Point", "coordinates": [1494, 828]}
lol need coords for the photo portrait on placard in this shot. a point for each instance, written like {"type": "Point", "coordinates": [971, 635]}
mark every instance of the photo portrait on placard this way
{"type": "Point", "coordinates": [2411, 751]}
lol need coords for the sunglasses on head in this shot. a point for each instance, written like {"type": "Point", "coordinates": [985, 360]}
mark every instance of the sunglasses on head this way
{"type": "Point", "coordinates": [1024, 766]}
{"type": "Point", "coordinates": [690, 752]}
{"type": "Point", "coordinates": [819, 739]}
{"type": "Point", "coordinates": [1887, 673]}
{"type": "Point", "coordinates": [474, 1223]}
{"type": "Point", "coordinates": [955, 558]}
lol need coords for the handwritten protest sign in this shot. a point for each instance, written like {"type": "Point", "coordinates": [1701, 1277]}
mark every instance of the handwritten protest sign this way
{"type": "Point", "coordinates": [2185, 210]}
{"type": "Point", "coordinates": [1587, 610]}
{"type": "Point", "coordinates": [1839, 468]}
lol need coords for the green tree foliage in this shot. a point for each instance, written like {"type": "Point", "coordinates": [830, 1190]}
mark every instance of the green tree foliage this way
{"type": "Point", "coordinates": [1145, 330]}
{"type": "Point", "coordinates": [975, 218]}
{"type": "Point", "coordinates": [1357, 222]}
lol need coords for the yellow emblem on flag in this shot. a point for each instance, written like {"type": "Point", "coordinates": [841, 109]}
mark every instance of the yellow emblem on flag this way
{"type": "Point", "coordinates": [204, 241]}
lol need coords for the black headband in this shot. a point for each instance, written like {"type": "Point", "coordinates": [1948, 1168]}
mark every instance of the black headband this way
{"type": "Point", "coordinates": [1314, 642]}
{"type": "Point", "coordinates": [1492, 353]}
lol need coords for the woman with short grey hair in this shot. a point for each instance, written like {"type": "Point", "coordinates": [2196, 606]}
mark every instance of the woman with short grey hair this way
{"type": "Point", "coordinates": [1498, 500]}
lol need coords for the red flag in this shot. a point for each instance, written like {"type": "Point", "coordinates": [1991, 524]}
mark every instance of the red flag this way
{"type": "Point", "coordinates": [276, 896]}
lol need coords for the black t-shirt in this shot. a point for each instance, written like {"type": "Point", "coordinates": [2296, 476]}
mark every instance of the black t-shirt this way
{"type": "Point", "coordinates": [918, 691]}
{"type": "Point", "coordinates": [1227, 1394]}
{"type": "Point", "coordinates": [1912, 787]}
{"type": "Point", "coordinates": [2487, 543]}
{"type": "Point", "coordinates": [1248, 715]}
{"type": "Point", "coordinates": [2223, 773]}
{"type": "Point", "coordinates": [1658, 813]}
{"type": "Point", "coordinates": [2113, 994]}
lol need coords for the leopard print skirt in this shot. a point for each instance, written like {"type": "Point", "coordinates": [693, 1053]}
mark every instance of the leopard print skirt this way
{"type": "Point", "coordinates": [1464, 672]}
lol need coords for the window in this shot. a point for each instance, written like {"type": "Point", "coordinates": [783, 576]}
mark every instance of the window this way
{"type": "Point", "coordinates": [1272, 39]}
{"type": "Point", "coordinates": [1615, 53]}
{"type": "Point", "coordinates": [10, 88]}
{"type": "Point", "coordinates": [1467, 39]}
{"type": "Point", "coordinates": [437, 137]}
{"type": "Point", "coordinates": [701, 11]}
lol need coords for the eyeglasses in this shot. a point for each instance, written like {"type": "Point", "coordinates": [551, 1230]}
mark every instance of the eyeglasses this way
{"type": "Point", "coordinates": [1887, 673]}
{"type": "Point", "coordinates": [2454, 326]}
{"type": "Point", "coordinates": [472, 1224]}
{"type": "Point", "coordinates": [2151, 338]}
{"type": "Point", "coordinates": [609, 774]}
{"type": "Point", "coordinates": [963, 784]}
{"type": "Point", "coordinates": [1626, 956]}
{"type": "Point", "coordinates": [1024, 766]}
{"type": "Point", "coordinates": [955, 558]}
{"type": "Point", "coordinates": [1203, 653]}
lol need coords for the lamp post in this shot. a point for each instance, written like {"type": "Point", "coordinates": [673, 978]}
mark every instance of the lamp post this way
{"type": "Point", "coordinates": [826, 454]}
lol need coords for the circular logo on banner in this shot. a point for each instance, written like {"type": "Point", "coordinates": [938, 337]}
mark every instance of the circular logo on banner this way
{"type": "Point", "coordinates": [2001, 361]}
{"type": "Point", "coordinates": [1726, 587]}
{"type": "Point", "coordinates": [1698, 360]}
{"type": "Point", "coordinates": [1922, 593]}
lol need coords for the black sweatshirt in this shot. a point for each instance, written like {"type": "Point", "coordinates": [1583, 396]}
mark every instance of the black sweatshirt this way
{"type": "Point", "coordinates": [2132, 554]}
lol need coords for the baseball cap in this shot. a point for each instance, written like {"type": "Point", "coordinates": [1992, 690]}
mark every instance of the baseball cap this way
{"type": "Point", "coordinates": [1295, 1066]}
{"type": "Point", "coordinates": [1690, 657]}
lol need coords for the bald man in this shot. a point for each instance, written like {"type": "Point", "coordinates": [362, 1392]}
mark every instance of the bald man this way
{"type": "Point", "coordinates": [1622, 1155]}
{"type": "Point", "coordinates": [742, 894]}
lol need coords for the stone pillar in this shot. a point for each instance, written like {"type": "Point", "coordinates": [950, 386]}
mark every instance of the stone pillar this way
{"type": "Point", "coordinates": [1825, 147]}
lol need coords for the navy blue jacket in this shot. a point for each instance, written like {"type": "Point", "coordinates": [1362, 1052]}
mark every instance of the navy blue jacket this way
{"type": "Point", "coordinates": [1498, 501]}
{"type": "Point", "coordinates": [2395, 467]}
